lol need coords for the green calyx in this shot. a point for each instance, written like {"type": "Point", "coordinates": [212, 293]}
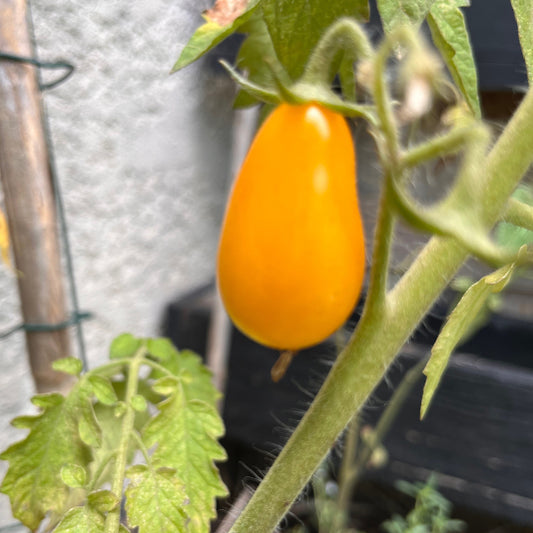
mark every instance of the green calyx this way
{"type": "Point", "coordinates": [343, 44]}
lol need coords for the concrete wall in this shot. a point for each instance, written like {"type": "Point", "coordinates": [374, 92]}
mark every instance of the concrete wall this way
{"type": "Point", "coordinates": [142, 158]}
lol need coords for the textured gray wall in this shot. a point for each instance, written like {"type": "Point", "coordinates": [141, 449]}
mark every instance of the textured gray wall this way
{"type": "Point", "coordinates": [142, 159]}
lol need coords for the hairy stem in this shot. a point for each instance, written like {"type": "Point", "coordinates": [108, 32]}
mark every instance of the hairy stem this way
{"type": "Point", "coordinates": [352, 466]}
{"type": "Point", "coordinates": [345, 475]}
{"type": "Point", "coordinates": [377, 339]}
{"type": "Point", "coordinates": [345, 35]}
{"type": "Point", "coordinates": [448, 143]}
{"type": "Point", "coordinates": [112, 522]}
{"type": "Point", "coordinates": [377, 288]}
{"type": "Point", "coordinates": [519, 214]}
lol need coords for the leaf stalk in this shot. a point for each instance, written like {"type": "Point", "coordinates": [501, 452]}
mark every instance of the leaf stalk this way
{"type": "Point", "coordinates": [112, 522]}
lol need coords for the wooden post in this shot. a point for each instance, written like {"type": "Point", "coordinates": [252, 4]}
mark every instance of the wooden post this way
{"type": "Point", "coordinates": [29, 200]}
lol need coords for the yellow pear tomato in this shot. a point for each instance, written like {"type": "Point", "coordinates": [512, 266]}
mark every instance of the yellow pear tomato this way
{"type": "Point", "coordinates": [291, 258]}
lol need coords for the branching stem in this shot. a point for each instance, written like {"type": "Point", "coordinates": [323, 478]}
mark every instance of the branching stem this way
{"type": "Point", "coordinates": [377, 339]}
{"type": "Point", "coordinates": [446, 144]}
{"type": "Point", "coordinates": [156, 366]}
{"type": "Point", "coordinates": [343, 36]}
{"type": "Point", "coordinates": [112, 522]}
{"type": "Point", "coordinates": [519, 214]}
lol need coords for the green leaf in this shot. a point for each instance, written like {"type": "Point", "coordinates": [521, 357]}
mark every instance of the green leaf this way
{"type": "Point", "coordinates": [523, 11]}
{"type": "Point", "coordinates": [124, 345]}
{"type": "Point", "coordinates": [103, 390]}
{"type": "Point", "coordinates": [161, 349]}
{"type": "Point", "coordinates": [48, 399]}
{"type": "Point", "coordinates": [361, 10]}
{"type": "Point", "coordinates": [210, 34]}
{"type": "Point", "coordinates": [24, 422]}
{"type": "Point", "coordinates": [88, 427]}
{"type": "Point", "coordinates": [73, 475]}
{"type": "Point", "coordinates": [81, 519]}
{"type": "Point", "coordinates": [138, 403]}
{"type": "Point", "coordinates": [103, 501]}
{"type": "Point", "coordinates": [166, 385]}
{"type": "Point", "coordinates": [295, 27]}
{"type": "Point", "coordinates": [68, 365]}
{"type": "Point", "coordinates": [185, 434]}
{"type": "Point", "coordinates": [458, 323]}
{"type": "Point", "coordinates": [120, 409]}
{"type": "Point", "coordinates": [512, 236]}
{"type": "Point", "coordinates": [401, 13]}
{"type": "Point", "coordinates": [255, 55]}
{"type": "Point", "coordinates": [33, 480]}
{"type": "Point", "coordinates": [448, 29]}
{"type": "Point", "coordinates": [191, 372]}
{"type": "Point", "coordinates": [156, 500]}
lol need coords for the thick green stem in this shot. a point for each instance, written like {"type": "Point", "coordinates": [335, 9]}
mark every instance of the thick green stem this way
{"type": "Point", "coordinates": [345, 35]}
{"type": "Point", "coordinates": [448, 143]}
{"type": "Point", "coordinates": [519, 214]}
{"type": "Point", "coordinates": [511, 156]}
{"type": "Point", "coordinates": [377, 339]}
{"type": "Point", "coordinates": [345, 475]}
{"type": "Point", "coordinates": [112, 522]}
{"type": "Point", "coordinates": [377, 288]}
{"type": "Point", "coordinates": [352, 466]}
{"type": "Point", "coordinates": [385, 423]}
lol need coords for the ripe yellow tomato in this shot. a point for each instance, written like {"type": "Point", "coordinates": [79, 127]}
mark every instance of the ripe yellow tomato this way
{"type": "Point", "coordinates": [291, 258]}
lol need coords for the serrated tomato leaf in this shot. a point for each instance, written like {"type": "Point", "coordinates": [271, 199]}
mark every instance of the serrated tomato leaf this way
{"type": "Point", "coordinates": [254, 57]}
{"type": "Point", "coordinates": [73, 475]}
{"type": "Point", "coordinates": [103, 501]}
{"type": "Point", "coordinates": [161, 348]}
{"type": "Point", "coordinates": [184, 434]}
{"type": "Point", "coordinates": [295, 27]}
{"type": "Point", "coordinates": [191, 373]}
{"type": "Point", "coordinates": [68, 365]}
{"type": "Point", "coordinates": [212, 32]}
{"type": "Point", "coordinates": [458, 323]}
{"type": "Point", "coordinates": [33, 480]}
{"type": "Point", "coordinates": [450, 35]}
{"type": "Point", "coordinates": [103, 390]}
{"type": "Point", "coordinates": [156, 500]}
{"type": "Point", "coordinates": [124, 345]}
{"type": "Point", "coordinates": [80, 519]}
{"type": "Point", "coordinates": [395, 13]}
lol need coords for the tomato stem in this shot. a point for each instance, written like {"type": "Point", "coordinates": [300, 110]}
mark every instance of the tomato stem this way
{"type": "Point", "coordinates": [449, 143]}
{"type": "Point", "coordinates": [112, 522]}
{"type": "Point", "coordinates": [343, 37]}
{"type": "Point", "coordinates": [281, 365]}
{"type": "Point", "coordinates": [353, 464]}
{"type": "Point", "coordinates": [378, 338]}
{"type": "Point", "coordinates": [519, 214]}
{"type": "Point", "coordinates": [377, 289]}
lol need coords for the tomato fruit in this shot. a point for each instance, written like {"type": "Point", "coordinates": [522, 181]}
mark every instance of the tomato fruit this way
{"type": "Point", "coordinates": [291, 258]}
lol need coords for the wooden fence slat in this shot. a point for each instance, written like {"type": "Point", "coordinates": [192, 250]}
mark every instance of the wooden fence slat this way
{"type": "Point", "coordinates": [29, 200]}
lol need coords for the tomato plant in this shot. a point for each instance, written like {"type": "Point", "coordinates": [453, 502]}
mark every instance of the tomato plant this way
{"type": "Point", "coordinates": [461, 223]}
{"type": "Point", "coordinates": [291, 263]}
{"type": "Point", "coordinates": [291, 259]}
